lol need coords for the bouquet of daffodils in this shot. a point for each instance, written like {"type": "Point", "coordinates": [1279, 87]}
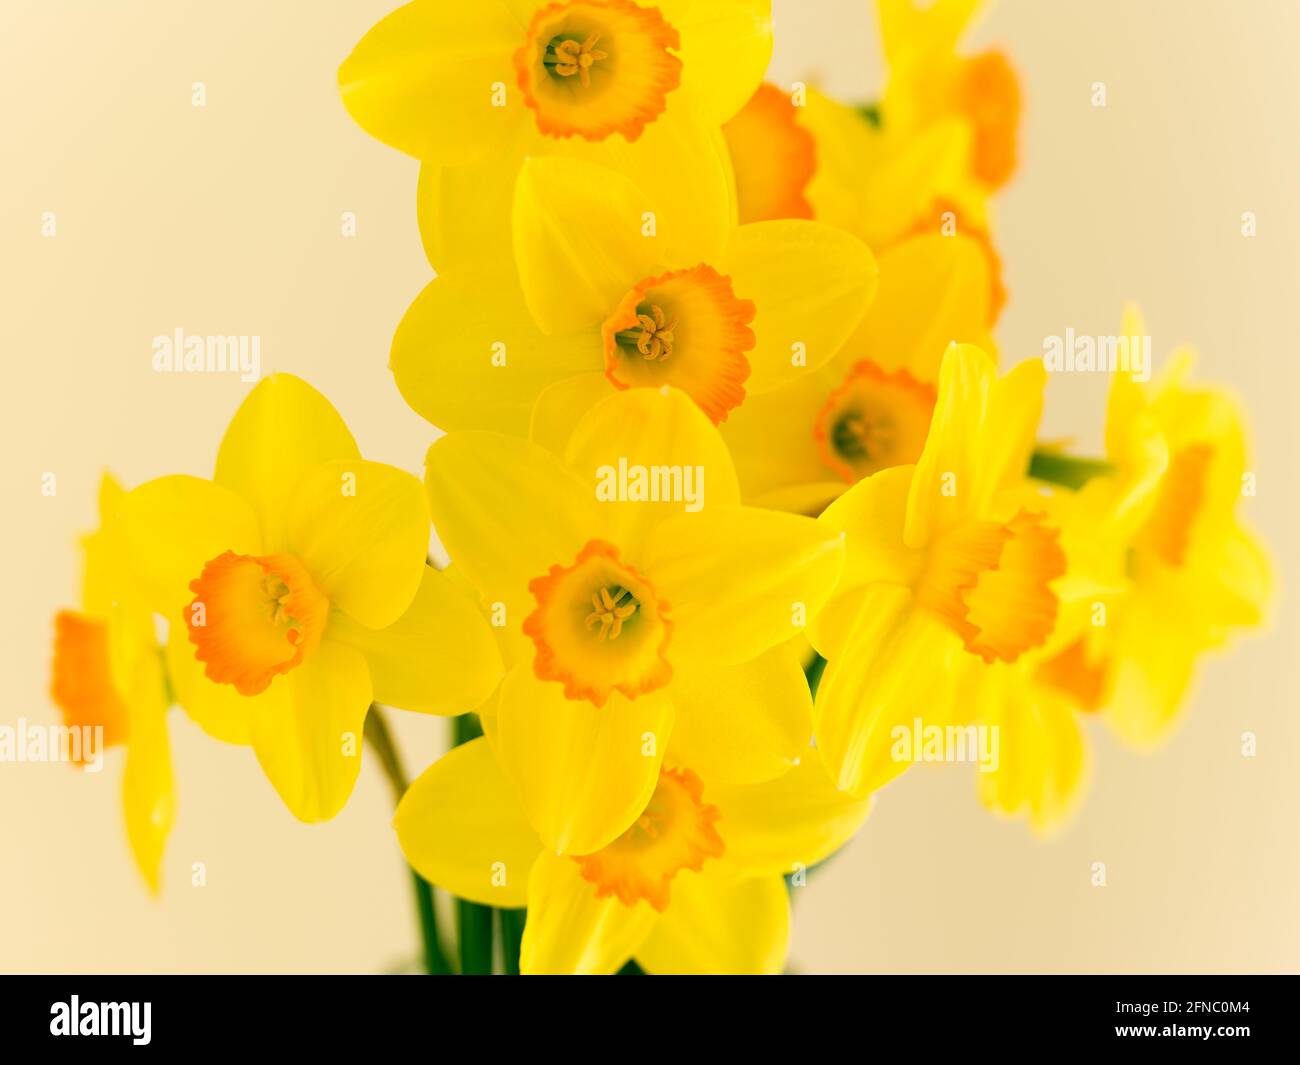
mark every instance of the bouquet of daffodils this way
{"type": "Point", "coordinates": [743, 516]}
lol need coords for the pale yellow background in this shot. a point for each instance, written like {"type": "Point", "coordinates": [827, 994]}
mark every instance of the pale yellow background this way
{"type": "Point", "coordinates": [227, 220]}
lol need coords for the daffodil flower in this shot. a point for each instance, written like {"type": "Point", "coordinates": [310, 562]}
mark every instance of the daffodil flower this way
{"type": "Point", "coordinates": [930, 85]}
{"type": "Point", "coordinates": [474, 90]}
{"type": "Point", "coordinates": [1160, 572]}
{"type": "Point", "coordinates": [949, 562]}
{"type": "Point", "coordinates": [868, 408]}
{"type": "Point", "coordinates": [693, 886]}
{"type": "Point", "coordinates": [108, 673]}
{"type": "Point", "coordinates": [875, 181]}
{"type": "Point", "coordinates": [448, 83]}
{"type": "Point", "coordinates": [296, 589]}
{"type": "Point", "coordinates": [606, 300]}
{"type": "Point", "coordinates": [632, 628]}
{"type": "Point", "coordinates": [1192, 572]}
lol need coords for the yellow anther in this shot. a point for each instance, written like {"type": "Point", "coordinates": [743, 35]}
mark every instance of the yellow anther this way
{"type": "Point", "coordinates": [611, 611]}
{"type": "Point", "coordinates": [572, 57]}
{"type": "Point", "coordinates": [654, 334]}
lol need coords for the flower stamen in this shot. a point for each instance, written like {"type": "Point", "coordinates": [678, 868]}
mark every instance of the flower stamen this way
{"type": "Point", "coordinates": [653, 336]}
{"type": "Point", "coordinates": [569, 57]}
{"type": "Point", "coordinates": [611, 611]}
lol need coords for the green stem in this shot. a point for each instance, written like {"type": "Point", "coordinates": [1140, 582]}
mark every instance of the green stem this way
{"type": "Point", "coordinates": [512, 934]}
{"type": "Point", "coordinates": [1064, 470]}
{"type": "Point", "coordinates": [474, 921]}
{"type": "Point", "coordinates": [380, 741]}
{"type": "Point", "coordinates": [474, 927]}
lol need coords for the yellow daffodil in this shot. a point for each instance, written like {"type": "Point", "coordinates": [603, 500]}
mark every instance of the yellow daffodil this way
{"type": "Point", "coordinates": [1193, 572]}
{"type": "Point", "coordinates": [1160, 571]}
{"type": "Point", "coordinates": [450, 82]}
{"type": "Point", "coordinates": [1032, 710]}
{"type": "Point", "coordinates": [296, 589]}
{"type": "Point", "coordinates": [473, 90]}
{"type": "Point", "coordinates": [948, 561]}
{"type": "Point", "coordinates": [633, 591]}
{"type": "Point", "coordinates": [108, 673]}
{"type": "Point", "coordinates": [931, 86]}
{"type": "Point", "coordinates": [601, 304]}
{"type": "Point", "coordinates": [693, 886]}
{"type": "Point", "coordinates": [868, 408]}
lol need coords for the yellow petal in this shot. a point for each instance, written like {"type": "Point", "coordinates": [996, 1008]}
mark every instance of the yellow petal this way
{"type": "Point", "coordinates": [741, 580]}
{"type": "Point", "coordinates": [1015, 409]}
{"type": "Point", "coordinates": [649, 429]}
{"type": "Point", "coordinates": [717, 925]}
{"type": "Point", "coordinates": [439, 657]}
{"type": "Point", "coordinates": [693, 218]}
{"type": "Point", "coordinates": [726, 46]}
{"type": "Point", "coordinates": [934, 290]}
{"type": "Point", "coordinates": [362, 530]}
{"type": "Point", "coordinates": [737, 725]}
{"type": "Point", "coordinates": [101, 574]}
{"type": "Point", "coordinates": [907, 28]}
{"type": "Point", "coordinates": [580, 241]}
{"type": "Point", "coordinates": [943, 485]}
{"type": "Point", "coordinates": [585, 772]}
{"type": "Point", "coordinates": [810, 284]}
{"type": "Point", "coordinates": [506, 511]}
{"type": "Point", "coordinates": [871, 516]}
{"type": "Point", "coordinates": [790, 823]}
{"type": "Point", "coordinates": [468, 355]}
{"type": "Point", "coordinates": [1236, 576]}
{"type": "Point", "coordinates": [1155, 659]}
{"type": "Point", "coordinates": [171, 526]}
{"type": "Point", "coordinates": [461, 826]}
{"type": "Point", "coordinates": [560, 407]}
{"type": "Point", "coordinates": [422, 79]}
{"type": "Point", "coordinates": [894, 668]}
{"type": "Point", "coordinates": [282, 429]}
{"type": "Point", "coordinates": [148, 788]}
{"type": "Point", "coordinates": [306, 729]}
{"type": "Point", "coordinates": [980, 441]}
{"type": "Point", "coordinates": [465, 211]}
{"type": "Point", "coordinates": [771, 439]}
{"type": "Point", "coordinates": [1042, 757]}
{"type": "Point", "coordinates": [218, 709]}
{"type": "Point", "coordinates": [570, 931]}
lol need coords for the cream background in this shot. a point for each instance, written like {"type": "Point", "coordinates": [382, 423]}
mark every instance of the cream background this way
{"type": "Point", "coordinates": [226, 220]}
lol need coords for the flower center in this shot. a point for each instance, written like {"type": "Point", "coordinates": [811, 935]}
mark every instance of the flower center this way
{"type": "Point", "coordinates": [685, 328]}
{"type": "Point", "coordinates": [1168, 529]}
{"type": "Point", "coordinates": [675, 832]}
{"type": "Point", "coordinates": [990, 583]}
{"type": "Point", "coordinates": [82, 678]}
{"type": "Point", "coordinates": [599, 627]}
{"type": "Point", "coordinates": [567, 57]}
{"type": "Point", "coordinates": [254, 618]}
{"type": "Point", "coordinates": [590, 68]}
{"type": "Point", "coordinates": [653, 335]}
{"type": "Point", "coordinates": [873, 420]}
{"type": "Point", "coordinates": [610, 609]}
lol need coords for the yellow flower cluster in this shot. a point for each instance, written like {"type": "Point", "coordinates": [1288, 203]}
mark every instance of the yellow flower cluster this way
{"type": "Point", "coordinates": [724, 429]}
